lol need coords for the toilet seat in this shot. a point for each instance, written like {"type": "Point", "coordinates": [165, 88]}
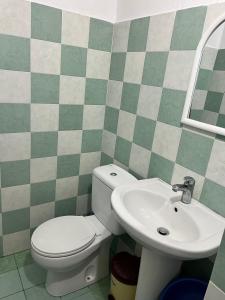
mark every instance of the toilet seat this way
{"type": "Point", "coordinates": [63, 236]}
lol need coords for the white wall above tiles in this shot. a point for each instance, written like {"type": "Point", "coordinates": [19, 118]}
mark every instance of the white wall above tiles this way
{"type": "Point", "coordinates": [100, 9]}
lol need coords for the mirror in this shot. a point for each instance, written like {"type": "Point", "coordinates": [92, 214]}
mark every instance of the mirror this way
{"type": "Point", "coordinates": [205, 101]}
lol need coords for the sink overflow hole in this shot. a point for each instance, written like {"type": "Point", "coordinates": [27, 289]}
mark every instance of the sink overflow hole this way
{"type": "Point", "coordinates": [175, 209]}
{"type": "Point", "coordinates": [163, 231]}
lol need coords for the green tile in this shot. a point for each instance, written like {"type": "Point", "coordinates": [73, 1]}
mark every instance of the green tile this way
{"type": "Point", "coordinates": [213, 195]}
{"type": "Point", "coordinates": [91, 140]}
{"type": "Point", "coordinates": [23, 258]}
{"type": "Point", "coordinates": [144, 132]}
{"type": "Point", "coordinates": [44, 88]}
{"type": "Point", "coordinates": [14, 118]}
{"type": "Point", "coordinates": [42, 192]}
{"type": "Point", "coordinates": [39, 293]}
{"type": "Point", "coordinates": [128, 241]}
{"type": "Point", "coordinates": [160, 167]}
{"type": "Point", "coordinates": [85, 182]}
{"type": "Point", "coordinates": [171, 107]}
{"type": "Point", "coordinates": [204, 79]}
{"type": "Point", "coordinates": [130, 95]}
{"type": "Point", "coordinates": [221, 121]}
{"type": "Point", "coordinates": [10, 283]}
{"type": "Point", "coordinates": [46, 23]}
{"type": "Point", "coordinates": [100, 36]}
{"type": "Point", "coordinates": [154, 68]}
{"type": "Point", "coordinates": [111, 119]}
{"type": "Point", "coordinates": [220, 60]}
{"type": "Point", "coordinates": [73, 61]}
{"type": "Point", "coordinates": [117, 66]}
{"type": "Point", "coordinates": [122, 150]}
{"type": "Point", "coordinates": [16, 220]}
{"type": "Point", "coordinates": [44, 144]}
{"type": "Point", "coordinates": [65, 207]}
{"type": "Point", "coordinates": [218, 271]}
{"type": "Point", "coordinates": [100, 289]}
{"type": "Point", "coordinates": [7, 264]}
{"type": "Point", "coordinates": [1, 246]}
{"type": "Point", "coordinates": [14, 53]}
{"type": "Point", "coordinates": [213, 101]}
{"type": "Point", "coordinates": [76, 294]}
{"type": "Point", "coordinates": [188, 28]}
{"type": "Point", "coordinates": [196, 114]}
{"type": "Point", "coordinates": [70, 117]}
{"type": "Point", "coordinates": [17, 296]}
{"type": "Point", "coordinates": [194, 151]}
{"type": "Point", "coordinates": [32, 275]}
{"type": "Point", "coordinates": [138, 34]}
{"type": "Point", "coordinates": [105, 159]}
{"type": "Point", "coordinates": [200, 268]}
{"type": "Point", "coordinates": [95, 91]}
{"type": "Point", "coordinates": [68, 165]}
{"type": "Point", "coordinates": [15, 173]}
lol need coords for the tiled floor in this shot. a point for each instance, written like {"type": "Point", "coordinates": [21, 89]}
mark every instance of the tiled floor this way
{"type": "Point", "coordinates": [22, 279]}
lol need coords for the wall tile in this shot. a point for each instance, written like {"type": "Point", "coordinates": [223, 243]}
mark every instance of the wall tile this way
{"type": "Point", "coordinates": [70, 117]}
{"type": "Point", "coordinates": [75, 29]}
{"type": "Point", "coordinates": [89, 161]}
{"type": "Point", "coordinates": [68, 165]}
{"type": "Point", "coordinates": [160, 167]}
{"type": "Point", "coordinates": [95, 91]}
{"type": "Point", "coordinates": [15, 197]}
{"type": "Point", "coordinates": [130, 95]}
{"type": "Point", "coordinates": [65, 207]}
{"type": "Point", "coordinates": [43, 192]}
{"type": "Point", "coordinates": [134, 67]}
{"type": "Point", "coordinates": [44, 117]}
{"type": "Point", "coordinates": [117, 66]}
{"type": "Point", "coordinates": [144, 132]}
{"type": "Point", "coordinates": [93, 117]}
{"type": "Point", "coordinates": [138, 34]}
{"type": "Point", "coordinates": [46, 23]}
{"type": "Point", "coordinates": [43, 169]}
{"type": "Point", "coordinates": [66, 187]}
{"type": "Point", "coordinates": [139, 160]}
{"type": "Point", "coordinates": [122, 150]}
{"type": "Point", "coordinates": [91, 140]}
{"type": "Point", "coordinates": [120, 36]}
{"type": "Point", "coordinates": [43, 144]}
{"type": "Point", "coordinates": [69, 142]}
{"type": "Point", "coordinates": [16, 242]}
{"type": "Point", "coordinates": [98, 64]}
{"type": "Point", "coordinates": [108, 143]}
{"type": "Point", "coordinates": [84, 185]}
{"type": "Point", "coordinates": [114, 93]}
{"type": "Point", "coordinates": [126, 125]}
{"type": "Point", "coordinates": [15, 173]}
{"type": "Point", "coordinates": [72, 90]}
{"type": "Point", "coordinates": [17, 220]}
{"type": "Point", "coordinates": [38, 215]}
{"type": "Point", "coordinates": [111, 119]}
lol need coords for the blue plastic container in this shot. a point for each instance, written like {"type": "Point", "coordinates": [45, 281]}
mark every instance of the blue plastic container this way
{"type": "Point", "coordinates": [184, 289]}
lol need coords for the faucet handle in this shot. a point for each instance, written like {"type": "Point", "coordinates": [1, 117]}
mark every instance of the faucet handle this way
{"type": "Point", "coordinates": [188, 180]}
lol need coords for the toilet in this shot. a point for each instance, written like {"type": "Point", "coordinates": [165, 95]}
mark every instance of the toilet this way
{"type": "Point", "coordinates": [75, 249]}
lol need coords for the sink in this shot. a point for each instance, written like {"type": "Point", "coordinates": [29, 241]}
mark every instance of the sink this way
{"type": "Point", "coordinates": [169, 230]}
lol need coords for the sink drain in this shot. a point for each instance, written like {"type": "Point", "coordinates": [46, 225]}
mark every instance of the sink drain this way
{"type": "Point", "coordinates": [163, 231]}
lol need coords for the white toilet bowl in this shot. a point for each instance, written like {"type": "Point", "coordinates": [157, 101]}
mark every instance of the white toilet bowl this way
{"type": "Point", "coordinates": [74, 251]}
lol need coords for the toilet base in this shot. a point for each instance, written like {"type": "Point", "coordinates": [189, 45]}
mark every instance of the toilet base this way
{"type": "Point", "coordinates": [94, 268]}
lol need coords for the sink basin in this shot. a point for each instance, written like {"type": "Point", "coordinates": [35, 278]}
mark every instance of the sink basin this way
{"type": "Point", "coordinates": [193, 230]}
{"type": "Point", "coordinates": [169, 231]}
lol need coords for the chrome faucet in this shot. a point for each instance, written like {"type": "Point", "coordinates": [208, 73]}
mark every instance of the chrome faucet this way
{"type": "Point", "coordinates": [187, 188]}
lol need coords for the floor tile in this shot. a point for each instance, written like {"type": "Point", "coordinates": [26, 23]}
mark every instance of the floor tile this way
{"type": "Point", "coordinates": [10, 283]}
{"type": "Point", "coordinates": [23, 258]}
{"type": "Point", "coordinates": [17, 296]}
{"type": "Point", "coordinates": [32, 275]}
{"type": "Point", "coordinates": [76, 294]}
{"type": "Point", "coordinates": [7, 264]}
{"type": "Point", "coordinates": [39, 293]}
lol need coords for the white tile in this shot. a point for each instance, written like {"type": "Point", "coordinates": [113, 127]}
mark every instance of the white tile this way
{"type": "Point", "coordinates": [93, 117]}
{"type": "Point", "coordinates": [69, 142]}
{"type": "Point", "coordinates": [88, 162]}
{"type": "Point", "coordinates": [66, 188]}
{"type": "Point", "coordinates": [41, 213]}
{"type": "Point", "coordinates": [126, 125]}
{"type": "Point", "coordinates": [199, 98]}
{"type": "Point", "coordinates": [1, 224]}
{"type": "Point", "coordinates": [120, 36]}
{"type": "Point", "coordinates": [43, 169]}
{"type": "Point", "coordinates": [213, 12]}
{"type": "Point", "coordinates": [209, 117]}
{"type": "Point", "coordinates": [222, 107]}
{"type": "Point", "coordinates": [114, 93]}
{"type": "Point", "coordinates": [15, 242]}
{"type": "Point", "coordinates": [15, 197]}
{"type": "Point", "coordinates": [44, 117]}
{"type": "Point", "coordinates": [208, 58]}
{"type": "Point", "coordinates": [180, 172]}
{"type": "Point", "coordinates": [14, 87]}
{"type": "Point", "coordinates": [134, 67]}
{"type": "Point", "coordinates": [98, 64]}
{"type": "Point", "coordinates": [45, 57]}
{"type": "Point", "coordinates": [217, 82]}
{"type": "Point", "coordinates": [178, 69]}
{"type": "Point", "coordinates": [166, 140]}
{"type": "Point", "coordinates": [216, 165]}
{"type": "Point", "coordinates": [108, 143]}
{"type": "Point", "coordinates": [83, 205]}
{"type": "Point", "coordinates": [213, 292]}
{"type": "Point", "coordinates": [75, 29]}
{"type": "Point", "coordinates": [72, 90]}
{"type": "Point", "coordinates": [139, 160]}
{"type": "Point", "coordinates": [15, 18]}
{"type": "Point", "coordinates": [149, 101]}
{"type": "Point", "coordinates": [15, 146]}
{"type": "Point", "coordinates": [160, 32]}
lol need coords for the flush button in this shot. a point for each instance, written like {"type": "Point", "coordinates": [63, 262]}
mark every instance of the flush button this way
{"type": "Point", "coordinates": [113, 174]}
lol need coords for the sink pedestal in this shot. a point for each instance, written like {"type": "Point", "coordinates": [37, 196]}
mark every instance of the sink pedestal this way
{"type": "Point", "coordinates": [155, 272]}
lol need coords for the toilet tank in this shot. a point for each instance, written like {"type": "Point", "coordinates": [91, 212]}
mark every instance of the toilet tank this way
{"type": "Point", "coordinates": [104, 180]}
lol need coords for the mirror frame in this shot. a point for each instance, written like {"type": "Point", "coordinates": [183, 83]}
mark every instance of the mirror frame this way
{"type": "Point", "coordinates": [192, 83]}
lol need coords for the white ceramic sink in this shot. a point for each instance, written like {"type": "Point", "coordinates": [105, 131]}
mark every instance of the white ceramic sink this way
{"type": "Point", "coordinates": [194, 230]}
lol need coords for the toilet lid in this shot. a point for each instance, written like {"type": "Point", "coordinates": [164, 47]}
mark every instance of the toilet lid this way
{"type": "Point", "coordinates": [63, 236]}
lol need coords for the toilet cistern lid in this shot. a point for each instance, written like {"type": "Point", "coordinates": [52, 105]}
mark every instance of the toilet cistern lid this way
{"type": "Point", "coordinates": [63, 236]}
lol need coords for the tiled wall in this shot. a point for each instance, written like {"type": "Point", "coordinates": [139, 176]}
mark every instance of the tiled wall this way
{"type": "Point", "coordinates": [209, 101]}
{"type": "Point", "coordinates": [54, 69]}
{"type": "Point", "coordinates": [149, 76]}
